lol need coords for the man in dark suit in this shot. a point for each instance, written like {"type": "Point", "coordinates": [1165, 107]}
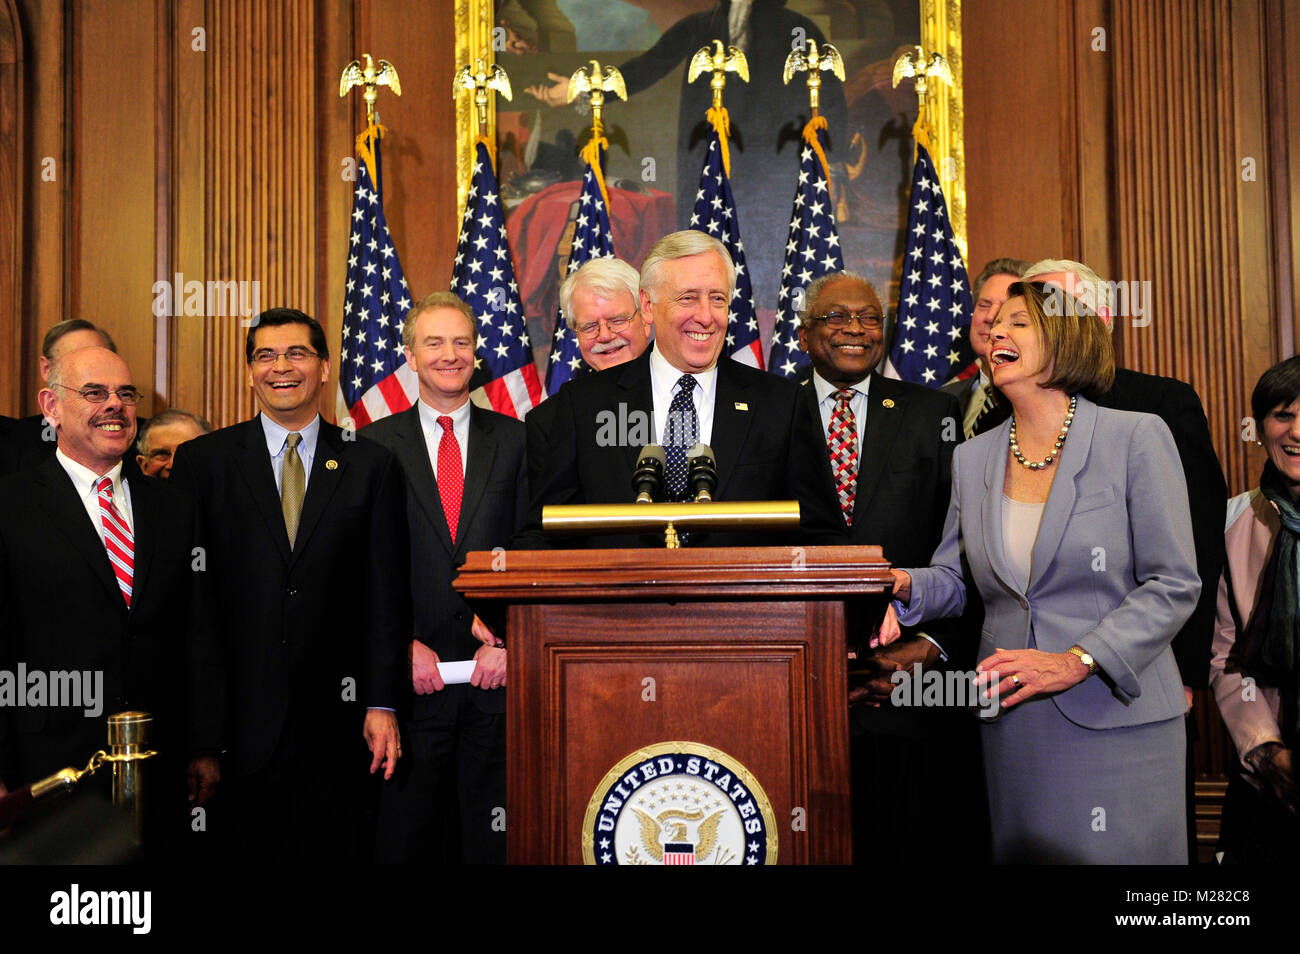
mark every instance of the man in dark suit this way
{"type": "Point", "coordinates": [677, 394]}
{"type": "Point", "coordinates": [465, 490]}
{"type": "Point", "coordinates": [1177, 404]}
{"type": "Point", "coordinates": [306, 542]}
{"type": "Point", "coordinates": [601, 305]}
{"type": "Point", "coordinates": [98, 577]}
{"type": "Point", "coordinates": [887, 461]}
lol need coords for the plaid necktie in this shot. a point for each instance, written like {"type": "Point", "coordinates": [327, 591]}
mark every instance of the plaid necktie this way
{"type": "Point", "coordinates": [681, 433]}
{"type": "Point", "coordinates": [293, 486]}
{"type": "Point", "coordinates": [451, 478]}
{"type": "Point", "coordinates": [117, 538]}
{"type": "Point", "coordinates": [842, 440]}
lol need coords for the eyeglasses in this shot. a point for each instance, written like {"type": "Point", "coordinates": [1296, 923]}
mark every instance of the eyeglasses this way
{"type": "Point", "coordinates": [615, 325]}
{"type": "Point", "coordinates": [295, 355]}
{"type": "Point", "coordinates": [97, 394]}
{"type": "Point", "coordinates": [840, 319]}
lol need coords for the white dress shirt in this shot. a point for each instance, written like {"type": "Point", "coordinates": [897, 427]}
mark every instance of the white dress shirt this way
{"type": "Point", "coordinates": [664, 379]}
{"type": "Point", "coordinates": [433, 432]}
{"type": "Point", "coordinates": [86, 480]}
{"type": "Point", "coordinates": [277, 439]}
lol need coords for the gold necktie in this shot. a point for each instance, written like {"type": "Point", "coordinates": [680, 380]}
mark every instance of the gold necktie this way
{"type": "Point", "coordinates": [293, 483]}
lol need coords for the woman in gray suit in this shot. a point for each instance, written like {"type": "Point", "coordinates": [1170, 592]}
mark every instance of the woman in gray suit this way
{"type": "Point", "coordinates": [1072, 521]}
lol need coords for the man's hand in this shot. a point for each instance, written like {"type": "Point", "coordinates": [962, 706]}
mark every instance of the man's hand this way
{"type": "Point", "coordinates": [204, 774]}
{"type": "Point", "coordinates": [489, 668]}
{"type": "Point", "coordinates": [424, 669]}
{"type": "Point", "coordinates": [883, 663]}
{"type": "Point", "coordinates": [484, 634]}
{"type": "Point", "coordinates": [557, 94]}
{"type": "Point", "coordinates": [384, 740]}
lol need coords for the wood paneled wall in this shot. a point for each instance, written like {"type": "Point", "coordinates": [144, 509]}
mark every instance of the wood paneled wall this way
{"type": "Point", "coordinates": [206, 139]}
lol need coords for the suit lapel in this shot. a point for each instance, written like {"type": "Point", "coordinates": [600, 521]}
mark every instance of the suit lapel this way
{"type": "Point", "coordinates": [991, 517]}
{"type": "Point", "coordinates": [730, 423]}
{"type": "Point", "coordinates": [479, 456]}
{"type": "Point", "coordinates": [144, 535]}
{"type": "Point", "coordinates": [882, 426]}
{"type": "Point", "coordinates": [57, 496]}
{"type": "Point", "coordinates": [413, 453]}
{"type": "Point", "coordinates": [1060, 499]}
{"type": "Point", "coordinates": [327, 471]}
{"type": "Point", "coordinates": [255, 467]}
{"type": "Point", "coordinates": [635, 391]}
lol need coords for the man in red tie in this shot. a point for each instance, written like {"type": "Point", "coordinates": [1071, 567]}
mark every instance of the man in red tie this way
{"type": "Point", "coordinates": [99, 592]}
{"type": "Point", "coordinates": [466, 490]}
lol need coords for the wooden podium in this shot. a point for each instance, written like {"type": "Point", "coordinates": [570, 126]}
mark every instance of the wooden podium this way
{"type": "Point", "coordinates": [615, 653]}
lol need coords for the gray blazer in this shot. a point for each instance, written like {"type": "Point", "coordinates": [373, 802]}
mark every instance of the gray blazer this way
{"type": "Point", "coordinates": [1113, 570]}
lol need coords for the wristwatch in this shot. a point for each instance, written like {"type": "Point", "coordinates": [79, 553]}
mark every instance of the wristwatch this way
{"type": "Point", "coordinates": [1084, 658]}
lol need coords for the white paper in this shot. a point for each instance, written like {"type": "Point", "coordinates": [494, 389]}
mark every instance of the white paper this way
{"type": "Point", "coordinates": [455, 673]}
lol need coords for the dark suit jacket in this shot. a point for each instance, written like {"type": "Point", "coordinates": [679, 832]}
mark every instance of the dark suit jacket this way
{"type": "Point", "coordinates": [761, 439]}
{"type": "Point", "coordinates": [492, 511]}
{"type": "Point", "coordinates": [301, 626]}
{"type": "Point", "coordinates": [61, 610]}
{"type": "Point", "coordinates": [1178, 405]}
{"type": "Point", "coordinates": [539, 423]}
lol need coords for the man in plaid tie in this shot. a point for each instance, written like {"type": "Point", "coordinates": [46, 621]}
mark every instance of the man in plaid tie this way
{"type": "Point", "coordinates": [887, 451]}
{"type": "Point", "coordinates": [97, 579]}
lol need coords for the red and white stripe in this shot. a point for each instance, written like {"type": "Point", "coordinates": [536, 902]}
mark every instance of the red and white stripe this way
{"type": "Point", "coordinates": [392, 395]}
{"type": "Point", "coordinates": [514, 393]}
{"type": "Point", "coordinates": [117, 538]}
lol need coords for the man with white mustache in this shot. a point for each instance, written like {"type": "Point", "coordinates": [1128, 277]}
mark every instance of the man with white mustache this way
{"type": "Point", "coordinates": [600, 302]}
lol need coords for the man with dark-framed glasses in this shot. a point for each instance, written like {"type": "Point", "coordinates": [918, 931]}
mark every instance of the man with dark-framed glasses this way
{"type": "Point", "coordinates": [102, 597]}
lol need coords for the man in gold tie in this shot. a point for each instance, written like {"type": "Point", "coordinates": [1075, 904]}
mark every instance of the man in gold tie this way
{"type": "Point", "coordinates": [976, 394]}
{"type": "Point", "coordinates": [305, 538]}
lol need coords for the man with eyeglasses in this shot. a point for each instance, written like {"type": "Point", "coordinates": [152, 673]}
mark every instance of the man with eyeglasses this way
{"type": "Point", "coordinates": [601, 306]}
{"type": "Point", "coordinates": [98, 580]}
{"type": "Point", "coordinates": [679, 393]}
{"type": "Point", "coordinates": [158, 440]}
{"type": "Point", "coordinates": [886, 457]}
{"type": "Point", "coordinates": [306, 544]}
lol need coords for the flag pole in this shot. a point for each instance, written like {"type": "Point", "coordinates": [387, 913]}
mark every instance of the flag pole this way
{"type": "Point", "coordinates": [371, 79]}
{"type": "Point", "coordinates": [480, 80]}
{"type": "Point", "coordinates": [922, 70]}
{"type": "Point", "coordinates": [595, 83]}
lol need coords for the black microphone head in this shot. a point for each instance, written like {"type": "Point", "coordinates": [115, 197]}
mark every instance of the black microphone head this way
{"type": "Point", "coordinates": [702, 471]}
{"type": "Point", "coordinates": [702, 450]}
{"type": "Point", "coordinates": [648, 478]}
{"type": "Point", "coordinates": [655, 452]}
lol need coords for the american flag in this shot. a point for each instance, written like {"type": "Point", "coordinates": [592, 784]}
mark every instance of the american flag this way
{"type": "Point", "coordinates": [715, 214]}
{"type": "Point", "coordinates": [484, 277]}
{"type": "Point", "coordinates": [591, 239]}
{"type": "Point", "coordinates": [812, 250]}
{"type": "Point", "coordinates": [934, 306]}
{"type": "Point", "coordinates": [374, 378]}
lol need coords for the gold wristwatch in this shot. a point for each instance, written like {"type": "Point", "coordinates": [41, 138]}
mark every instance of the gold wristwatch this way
{"type": "Point", "coordinates": [1084, 658]}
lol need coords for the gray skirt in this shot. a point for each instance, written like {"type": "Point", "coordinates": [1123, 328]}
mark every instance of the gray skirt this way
{"type": "Point", "coordinates": [1063, 794]}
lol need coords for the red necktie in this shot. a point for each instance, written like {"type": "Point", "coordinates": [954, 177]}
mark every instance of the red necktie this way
{"type": "Point", "coordinates": [117, 538]}
{"type": "Point", "coordinates": [451, 479]}
{"type": "Point", "coordinates": [842, 440]}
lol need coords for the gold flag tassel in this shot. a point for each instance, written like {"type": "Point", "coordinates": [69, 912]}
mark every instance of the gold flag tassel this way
{"type": "Point", "coordinates": [810, 136]}
{"type": "Point", "coordinates": [591, 155]}
{"type": "Point", "coordinates": [366, 149]}
{"type": "Point", "coordinates": [721, 123]}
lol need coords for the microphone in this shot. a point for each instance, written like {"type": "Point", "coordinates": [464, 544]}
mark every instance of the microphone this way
{"type": "Point", "coordinates": [648, 478]}
{"type": "Point", "coordinates": [701, 472]}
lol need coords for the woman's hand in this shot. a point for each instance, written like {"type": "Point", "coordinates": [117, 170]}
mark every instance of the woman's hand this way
{"type": "Point", "coordinates": [1025, 673]}
{"type": "Point", "coordinates": [889, 629]}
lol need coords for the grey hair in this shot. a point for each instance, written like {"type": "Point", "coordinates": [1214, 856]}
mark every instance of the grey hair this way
{"type": "Point", "coordinates": [1096, 290]}
{"type": "Point", "coordinates": [605, 277]}
{"type": "Point", "coordinates": [1015, 267]}
{"type": "Point", "coordinates": [679, 245]}
{"type": "Point", "coordinates": [173, 415]}
{"type": "Point", "coordinates": [814, 291]}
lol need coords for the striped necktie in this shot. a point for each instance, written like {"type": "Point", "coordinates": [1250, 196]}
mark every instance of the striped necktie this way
{"type": "Point", "coordinates": [117, 538]}
{"type": "Point", "coordinates": [981, 403]}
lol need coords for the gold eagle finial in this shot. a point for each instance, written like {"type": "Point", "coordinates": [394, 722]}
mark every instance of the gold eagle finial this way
{"type": "Point", "coordinates": [814, 63]}
{"type": "Point", "coordinates": [481, 79]}
{"type": "Point", "coordinates": [371, 79]}
{"type": "Point", "coordinates": [719, 61]}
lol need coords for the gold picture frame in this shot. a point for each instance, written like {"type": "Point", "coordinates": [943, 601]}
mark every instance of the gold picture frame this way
{"type": "Point", "coordinates": [940, 31]}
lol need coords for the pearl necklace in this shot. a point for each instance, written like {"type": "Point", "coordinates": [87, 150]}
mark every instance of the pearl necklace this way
{"type": "Point", "coordinates": [1065, 429]}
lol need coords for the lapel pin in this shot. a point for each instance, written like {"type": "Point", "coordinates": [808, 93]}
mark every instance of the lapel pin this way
{"type": "Point", "coordinates": [331, 464]}
{"type": "Point", "coordinates": [742, 406]}
{"type": "Point", "coordinates": [887, 402]}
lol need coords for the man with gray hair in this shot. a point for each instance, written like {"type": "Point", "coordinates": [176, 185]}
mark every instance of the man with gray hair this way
{"type": "Point", "coordinates": [161, 435]}
{"type": "Point", "coordinates": [682, 392]}
{"type": "Point", "coordinates": [601, 306]}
